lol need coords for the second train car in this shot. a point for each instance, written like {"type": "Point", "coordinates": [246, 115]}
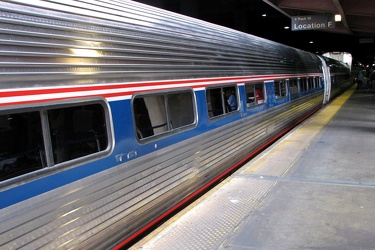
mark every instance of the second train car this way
{"type": "Point", "coordinates": [113, 114]}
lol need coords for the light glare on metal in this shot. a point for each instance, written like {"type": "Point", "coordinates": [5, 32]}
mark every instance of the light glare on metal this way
{"type": "Point", "coordinates": [86, 52]}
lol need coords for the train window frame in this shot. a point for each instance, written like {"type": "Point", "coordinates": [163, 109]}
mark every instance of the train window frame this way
{"type": "Point", "coordinates": [168, 110]}
{"type": "Point", "coordinates": [46, 153]}
{"type": "Point", "coordinates": [222, 106]}
{"type": "Point", "coordinates": [280, 86]}
{"type": "Point", "coordinates": [254, 90]}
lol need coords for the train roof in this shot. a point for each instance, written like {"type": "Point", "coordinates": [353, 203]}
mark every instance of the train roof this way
{"type": "Point", "coordinates": [48, 43]}
{"type": "Point", "coordinates": [337, 66]}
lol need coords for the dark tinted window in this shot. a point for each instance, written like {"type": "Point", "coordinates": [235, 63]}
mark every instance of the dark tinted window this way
{"type": "Point", "coordinates": [77, 131]}
{"type": "Point", "coordinates": [21, 144]}
{"type": "Point", "coordinates": [311, 83]}
{"type": "Point", "coordinates": [304, 84]}
{"type": "Point", "coordinates": [73, 132]}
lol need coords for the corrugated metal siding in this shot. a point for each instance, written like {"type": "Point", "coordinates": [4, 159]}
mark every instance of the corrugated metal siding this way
{"type": "Point", "coordinates": [52, 43]}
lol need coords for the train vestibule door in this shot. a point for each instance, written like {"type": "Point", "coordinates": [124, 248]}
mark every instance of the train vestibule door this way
{"type": "Point", "coordinates": [327, 81]}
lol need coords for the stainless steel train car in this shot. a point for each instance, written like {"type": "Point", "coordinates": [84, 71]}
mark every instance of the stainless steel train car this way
{"type": "Point", "coordinates": [113, 114]}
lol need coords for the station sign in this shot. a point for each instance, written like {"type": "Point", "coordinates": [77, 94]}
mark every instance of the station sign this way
{"type": "Point", "coordinates": [314, 22]}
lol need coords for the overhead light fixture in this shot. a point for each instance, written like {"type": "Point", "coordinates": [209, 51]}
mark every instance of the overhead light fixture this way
{"type": "Point", "coordinates": [311, 42]}
{"type": "Point", "coordinates": [286, 27]}
{"type": "Point", "coordinates": [264, 15]}
{"type": "Point", "coordinates": [337, 18]}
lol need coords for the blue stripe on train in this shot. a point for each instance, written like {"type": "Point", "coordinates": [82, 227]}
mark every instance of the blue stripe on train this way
{"type": "Point", "coordinates": [126, 142]}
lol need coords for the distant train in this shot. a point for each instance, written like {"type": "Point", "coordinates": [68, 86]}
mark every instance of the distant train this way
{"type": "Point", "coordinates": [114, 114]}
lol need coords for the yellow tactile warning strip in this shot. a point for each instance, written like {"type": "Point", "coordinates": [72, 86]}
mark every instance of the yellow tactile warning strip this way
{"type": "Point", "coordinates": [277, 160]}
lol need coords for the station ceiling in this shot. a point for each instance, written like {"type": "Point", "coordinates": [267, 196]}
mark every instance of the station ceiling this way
{"type": "Point", "coordinates": [358, 16]}
{"type": "Point", "coordinates": [355, 33]}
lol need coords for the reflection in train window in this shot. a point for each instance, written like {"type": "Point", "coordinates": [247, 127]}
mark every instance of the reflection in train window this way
{"type": "Point", "coordinates": [160, 113]}
{"type": "Point", "coordinates": [280, 89]}
{"type": "Point", "coordinates": [254, 94]}
{"type": "Point", "coordinates": [74, 131]}
{"type": "Point", "coordinates": [221, 100]}
{"type": "Point", "coordinates": [21, 144]}
{"type": "Point", "coordinates": [77, 131]}
{"type": "Point", "coordinates": [293, 84]}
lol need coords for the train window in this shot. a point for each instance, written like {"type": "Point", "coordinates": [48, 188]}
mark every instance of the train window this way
{"type": "Point", "coordinates": [280, 89]}
{"type": "Point", "coordinates": [293, 84]}
{"type": "Point", "coordinates": [160, 113]}
{"type": "Point", "coordinates": [221, 100]}
{"type": "Point", "coordinates": [311, 83]}
{"type": "Point", "coordinates": [21, 144]}
{"type": "Point", "coordinates": [304, 84]}
{"type": "Point", "coordinates": [313, 79]}
{"type": "Point", "coordinates": [254, 94]}
{"type": "Point", "coordinates": [74, 132]}
{"type": "Point", "coordinates": [318, 82]}
{"type": "Point", "coordinates": [77, 131]}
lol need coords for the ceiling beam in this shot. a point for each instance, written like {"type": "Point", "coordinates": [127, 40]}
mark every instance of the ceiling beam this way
{"type": "Point", "coordinates": [273, 5]}
{"type": "Point", "coordinates": [316, 5]}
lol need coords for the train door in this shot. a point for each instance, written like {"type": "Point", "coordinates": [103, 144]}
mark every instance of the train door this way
{"type": "Point", "coordinates": [327, 81]}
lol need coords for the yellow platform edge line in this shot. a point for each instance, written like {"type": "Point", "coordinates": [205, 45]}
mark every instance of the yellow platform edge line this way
{"type": "Point", "coordinates": [326, 114]}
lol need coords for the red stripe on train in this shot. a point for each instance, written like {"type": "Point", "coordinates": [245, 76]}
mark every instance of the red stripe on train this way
{"type": "Point", "coordinates": [110, 86]}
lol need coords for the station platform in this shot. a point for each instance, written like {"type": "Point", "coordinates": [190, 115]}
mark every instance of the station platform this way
{"type": "Point", "coordinates": [313, 189]}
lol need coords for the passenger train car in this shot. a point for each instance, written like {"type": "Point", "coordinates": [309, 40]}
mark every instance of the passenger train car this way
{"type": "Point", "coordinates": [113, 114]}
